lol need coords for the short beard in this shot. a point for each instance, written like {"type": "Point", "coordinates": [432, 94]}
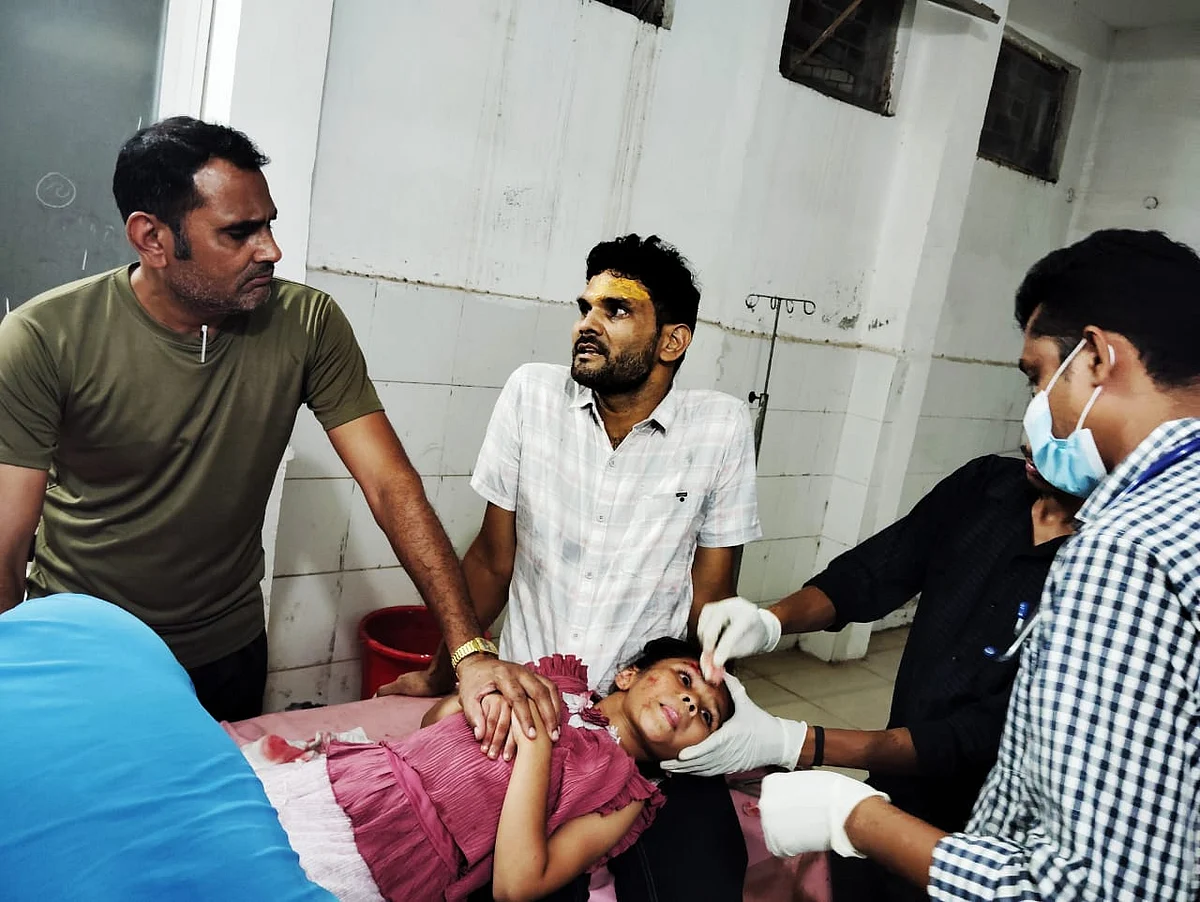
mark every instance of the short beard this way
{"type": "Point", "coordinates": [619, 375]}
{"type": "Point", "coordinates": [198, 297]}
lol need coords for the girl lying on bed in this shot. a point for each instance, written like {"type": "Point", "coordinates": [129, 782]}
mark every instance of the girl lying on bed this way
{"type": "Point", "coordinates": [430, 817]}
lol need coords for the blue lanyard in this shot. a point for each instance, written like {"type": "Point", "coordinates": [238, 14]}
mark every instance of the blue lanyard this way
{"type": "Point", "coordinates": [1172, 457]}
{"type": "Point", "coordinates": [1024, 627]}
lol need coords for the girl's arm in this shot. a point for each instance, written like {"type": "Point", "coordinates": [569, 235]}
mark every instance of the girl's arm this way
{"type": "Point", "coordinates": [527, 864]}
{"type": "Point", "coordinates": [531, 867]}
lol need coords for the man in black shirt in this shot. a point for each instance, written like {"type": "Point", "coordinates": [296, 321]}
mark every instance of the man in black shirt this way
{"type": "Point", "coordinates": [977, 549]}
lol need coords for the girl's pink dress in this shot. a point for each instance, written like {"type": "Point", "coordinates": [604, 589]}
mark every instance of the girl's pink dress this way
{"type": "Point", "coordinates": [425, 809]}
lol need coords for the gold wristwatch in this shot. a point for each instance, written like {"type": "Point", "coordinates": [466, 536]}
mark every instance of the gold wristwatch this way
{"type": "Point", "coordinates": [475, 646]}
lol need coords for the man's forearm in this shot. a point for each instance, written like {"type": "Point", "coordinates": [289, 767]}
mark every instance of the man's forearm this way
{"type": "Point", "coordinates": [804, 611]}
{"type": "Point", "coordinates": [489, 595]}
{"type": "Point", "coordinates": [488, 588]}
{"type": "Point", "coordinates": [12, 584]}
{"type": "Point", "coordinates": [22, 491]}
{"type": "Point", "coordinates": [422, 546]}
{"type": "Point", "coordinates": [878, 751]}
{"type": "Point", "coordinates": [898, 841]}
{"type": "Point", "coordinates": [712, 580]}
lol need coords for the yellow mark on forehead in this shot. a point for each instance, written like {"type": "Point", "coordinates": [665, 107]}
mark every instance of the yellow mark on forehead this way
{"type": "Point", "coordinates": [610, 285]}
{"type": "Point", "coordinates": [631, 287]}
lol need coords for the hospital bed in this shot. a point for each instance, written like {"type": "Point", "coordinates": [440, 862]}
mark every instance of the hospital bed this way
{"type": "Point", "coordinates": [767, 880]}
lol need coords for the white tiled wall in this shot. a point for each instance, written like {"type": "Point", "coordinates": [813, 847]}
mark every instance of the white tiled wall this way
{"type": "Point", "coordinates": [802, 437]}
{"type": "Point", "coordinates": [970, 409]}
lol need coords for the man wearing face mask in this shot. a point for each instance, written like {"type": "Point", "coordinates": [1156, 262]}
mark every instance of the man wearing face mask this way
{"type": "Point", "coordinates": [1095, 793]}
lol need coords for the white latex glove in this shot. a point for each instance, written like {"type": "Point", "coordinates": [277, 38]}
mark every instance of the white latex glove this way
{"type": "Point", "coordinates": [807, 811]}
{"type": "Point", "coordinates": [734, 628]}
{"type": "Point", "coordinates": [751, 738]}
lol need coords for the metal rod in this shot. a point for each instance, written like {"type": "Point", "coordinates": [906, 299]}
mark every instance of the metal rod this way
{"type": "Point", "coordinates": [778, 304]}
{"type": "Point", "coordinates": [761, 419]}
{"type": "Point", "coordinates": [825, 35]}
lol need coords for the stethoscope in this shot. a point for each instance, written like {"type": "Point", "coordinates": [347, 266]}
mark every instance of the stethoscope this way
{"type": "Point", "coordinates": [1025, 623]}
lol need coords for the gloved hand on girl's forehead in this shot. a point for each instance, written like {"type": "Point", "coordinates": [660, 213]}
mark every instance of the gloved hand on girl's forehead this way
{"type": "Point", "coordinates": [662, 703]}
{"type": "Point", "coordinates": [736, 628]}
{"type": "Point", "coordinates": [752, 738]}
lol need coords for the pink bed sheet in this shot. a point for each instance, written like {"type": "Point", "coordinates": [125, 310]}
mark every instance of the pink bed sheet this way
{"type": "Point", "coordinates": [767, 879]}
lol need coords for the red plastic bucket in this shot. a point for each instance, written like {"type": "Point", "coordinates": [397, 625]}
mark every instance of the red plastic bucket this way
{"type": "Point", "coordinates": [395, 641]}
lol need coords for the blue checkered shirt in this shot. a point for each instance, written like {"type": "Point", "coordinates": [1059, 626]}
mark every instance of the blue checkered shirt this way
{"type": "Point", "coordinates": [1094, 795]}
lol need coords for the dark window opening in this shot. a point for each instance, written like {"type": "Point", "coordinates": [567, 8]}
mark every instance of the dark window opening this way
{"type": "Point", "coordinates": [843, 48]}
{"type": "Point", "coordinates": [651, 11]}
{"type": "Point", "coordinates": [1027, 112]}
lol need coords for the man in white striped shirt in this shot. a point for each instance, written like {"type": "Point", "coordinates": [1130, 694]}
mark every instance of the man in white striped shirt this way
{"type": "Point", "coordinates": [1096, 793]}
{"type": "Point", "coordinates": [616, 505]}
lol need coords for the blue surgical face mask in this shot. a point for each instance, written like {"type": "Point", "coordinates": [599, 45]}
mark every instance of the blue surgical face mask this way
{"type": "Point", "coordinates": [1071, 464]}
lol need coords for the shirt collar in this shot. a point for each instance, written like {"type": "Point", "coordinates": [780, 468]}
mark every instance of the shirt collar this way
{"type": "Point", "coordinates": [1013, 490]}
{"type": "Point", "coordinates": [663, 416]}
{"type": "Point", "coordinates": [1167, 436]}
{"type": "Point", "coordinates": [1008, 486]}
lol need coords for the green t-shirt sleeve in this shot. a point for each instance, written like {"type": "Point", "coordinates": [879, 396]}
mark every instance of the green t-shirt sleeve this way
{"type": "Point", "coordinates": [336, 386]}
{"type": "Point", "coordinates": [30, 406]}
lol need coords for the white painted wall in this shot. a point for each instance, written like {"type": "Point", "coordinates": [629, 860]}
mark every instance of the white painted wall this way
{"type": "Point", "coordinates": [976, 397]}
{"type": "Point", "coordinates": [507, 137]}
{"type": "Point", "coordinates": [1147, 145]}
{"type": "Point", "coordinates": [265, 75]}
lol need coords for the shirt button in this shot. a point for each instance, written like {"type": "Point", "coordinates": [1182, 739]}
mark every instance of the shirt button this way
{"type": "Point", "coordinates": [612, 462]}
{"type": "Point", "coordinates": [601, 518]}
{"type": "Point", "coordinates": [588, 575]}
{"type": "Point", "coordinates": [575, 637]}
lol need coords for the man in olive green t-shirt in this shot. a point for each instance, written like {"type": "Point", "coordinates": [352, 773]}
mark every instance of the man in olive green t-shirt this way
{"type": "Point", "coordinates": [144, 412]}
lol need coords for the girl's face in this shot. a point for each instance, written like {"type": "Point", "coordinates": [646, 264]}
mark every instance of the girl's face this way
{"type": "Point", "coordinates": [671, 707]}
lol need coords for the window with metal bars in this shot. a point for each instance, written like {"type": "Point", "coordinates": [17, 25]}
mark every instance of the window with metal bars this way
{"type": "Point", "coordinates": [651, 11]}
{"type": "Point", "coordinates": [1027, 111]}
{"type": "Point", "coordinates": [843, 48]}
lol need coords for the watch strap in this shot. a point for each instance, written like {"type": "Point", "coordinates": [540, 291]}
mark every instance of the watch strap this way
{"type": "Point", "coordinates": [474, 646]}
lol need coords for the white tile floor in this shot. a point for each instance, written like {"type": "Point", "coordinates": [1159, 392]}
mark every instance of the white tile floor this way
{"type": "Point", "coordinates": [846, 695]}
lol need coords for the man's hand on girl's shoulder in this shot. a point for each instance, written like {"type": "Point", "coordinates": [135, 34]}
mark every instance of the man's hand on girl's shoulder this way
{"type": "Point", "coordinates": [482, 675]}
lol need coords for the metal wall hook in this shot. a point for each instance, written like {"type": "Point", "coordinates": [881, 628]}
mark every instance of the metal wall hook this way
{"type": "Point", "coordinates": [775, 301]}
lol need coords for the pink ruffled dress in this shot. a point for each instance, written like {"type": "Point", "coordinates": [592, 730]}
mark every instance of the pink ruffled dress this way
{"type": "Point", "coordinates": [425, 809]}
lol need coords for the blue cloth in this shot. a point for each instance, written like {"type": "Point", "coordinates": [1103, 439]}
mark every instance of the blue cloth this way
{"type": "Point", "coordinates": [114, 782]}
